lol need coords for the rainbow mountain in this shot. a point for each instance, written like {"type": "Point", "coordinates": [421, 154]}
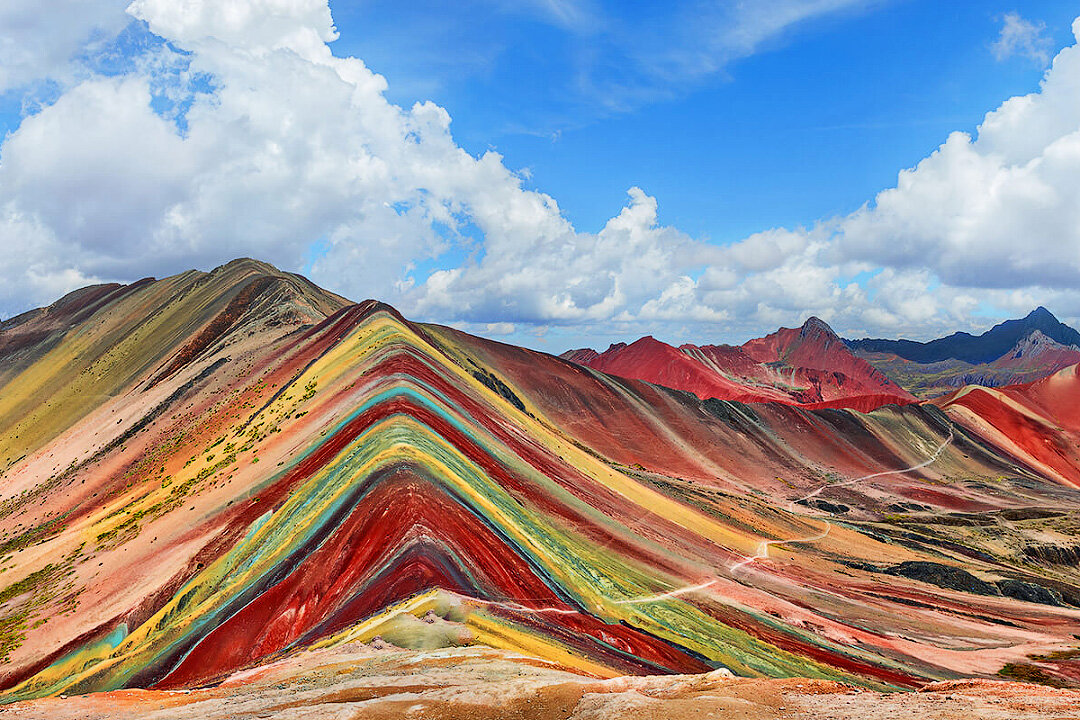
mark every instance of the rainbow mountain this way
{"type": "Point", "coordinates": [213, 472]}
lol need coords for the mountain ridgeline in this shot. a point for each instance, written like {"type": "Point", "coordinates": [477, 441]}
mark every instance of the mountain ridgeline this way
{"type": "Point", "coordinates": [811, 366]}
{"type": "Point", "coordinates": [1015, 351]}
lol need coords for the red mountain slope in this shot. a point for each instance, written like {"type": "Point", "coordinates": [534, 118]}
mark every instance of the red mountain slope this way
{"type": "Point", "coordinates": [1038, 422]}
{"type": "Point", "coordinates": [216, 472]}
{"type": "Point", "coordinates": [650, 360]}
{"type": "Point", "coordinates": [807, 366]}
{"type": "Point", "coordinates": [815, 346]}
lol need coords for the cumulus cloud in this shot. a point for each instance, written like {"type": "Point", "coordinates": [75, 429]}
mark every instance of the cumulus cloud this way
{"type": "Point", "coordinates": [297, 146]}
{"type": "Point", "coordinates": [1023, 38]}
{"type": "Point", "coordinates": [536, 268]}
{"type": "Point", "coordinates": [294, 146]}
{"type": "Point", "coordinates": [986, 221]}
{"type": "Point", "coordinates": [1001, 209]}
{"type": "Point", "coordinates": [36, 44]}
{"type": "Point", "coordinates": [97, 167]}
{"type": "Point", "coordinates": [295, 155]}
{"type": "Point", "coordinates": [255, 26]}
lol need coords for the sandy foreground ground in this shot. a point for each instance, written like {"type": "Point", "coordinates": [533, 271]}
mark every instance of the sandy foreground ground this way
{"type": "Point", "coordinates": [479, 683]}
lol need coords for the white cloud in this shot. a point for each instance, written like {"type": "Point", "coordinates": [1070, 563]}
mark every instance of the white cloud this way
{"type": "Point", "coordinates": [30, 263]}
{"type": "Point", "coordinates": [97, 168]}
{"type": "Point", "coordinates": [38, 42]}
{"type": "Point", "coordinates": [985, 222]}
{"type": "Point", "coordinates": [998, 210]}
{"type": "Point", "coordinates": [256, 26]}
{"type": "Point", "coordinates": [576, 15]}
{"type": "Point", "coordinates": [722, 31]}
{"type": "Point", "coordinates": [1022, 37]}
{"type": "Point", "coordinates": [296, 147]}
{"type": "Point", "coordinates": [536, 268]}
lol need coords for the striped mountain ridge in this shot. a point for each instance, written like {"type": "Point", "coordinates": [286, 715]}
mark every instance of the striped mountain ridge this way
{"type": "Point", "coordinates": [212, 471]}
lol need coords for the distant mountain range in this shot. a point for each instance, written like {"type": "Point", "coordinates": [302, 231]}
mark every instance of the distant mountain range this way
{"type": "Point", "coordinates": [975, 349]}
{"type": "Point", "coordinates": [1012, 352]}
{"type": "Point", "coordinates": [812, 367]}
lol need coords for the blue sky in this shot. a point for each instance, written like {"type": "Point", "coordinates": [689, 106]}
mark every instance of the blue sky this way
{"type": "Point", "coordinates": [812, 125]}
{"type": "Point", "coordinates": [557, 172]}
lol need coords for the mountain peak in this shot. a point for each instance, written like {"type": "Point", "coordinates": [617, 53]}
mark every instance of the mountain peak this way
{"type": "Point", "coordinates": [1034, 341]}
{"type": "Point", "coordinates": [1041, 313]}
{"type": "Point", "coordinates": [814, 324]}
{"type": "Point", "coordinates": [985, 348]}
{"type": "Point", "coordinates": [1038, 341]}
{"type": "Point", "coordinates": [247, 263]}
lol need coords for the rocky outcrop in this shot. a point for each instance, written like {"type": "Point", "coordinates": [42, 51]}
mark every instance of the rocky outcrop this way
{"type": "Point", "coordinates": [944, 576]}
{"type": "Point", "coordinates": [825, 506]}
{"type": "Point", "coordinates": [1054, 554]}
{"type": "Point", "coordinates": [1029, 592]}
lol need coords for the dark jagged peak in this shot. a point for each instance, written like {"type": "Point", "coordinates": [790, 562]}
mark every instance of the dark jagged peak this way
{"type": "Point", "coordinates": [1041, 313]}
{"type": "Point", "coordinates": [1038, 351]}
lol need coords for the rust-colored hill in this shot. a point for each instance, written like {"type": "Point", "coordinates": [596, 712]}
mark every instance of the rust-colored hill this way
{"type": "Point", "coordinates": [650, 360]}
{"type": "Point", "coordinates": [1038, 421]}
{"type": "Point", "coordinates": [807, 366]}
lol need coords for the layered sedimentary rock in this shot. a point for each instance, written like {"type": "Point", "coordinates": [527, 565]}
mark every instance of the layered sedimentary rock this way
{"type": "Point", "coordinates": [213, 471]}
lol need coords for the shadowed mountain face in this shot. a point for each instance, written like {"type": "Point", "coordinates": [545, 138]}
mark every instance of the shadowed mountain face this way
{"type": "Point", "coordinates": [209, 472]}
